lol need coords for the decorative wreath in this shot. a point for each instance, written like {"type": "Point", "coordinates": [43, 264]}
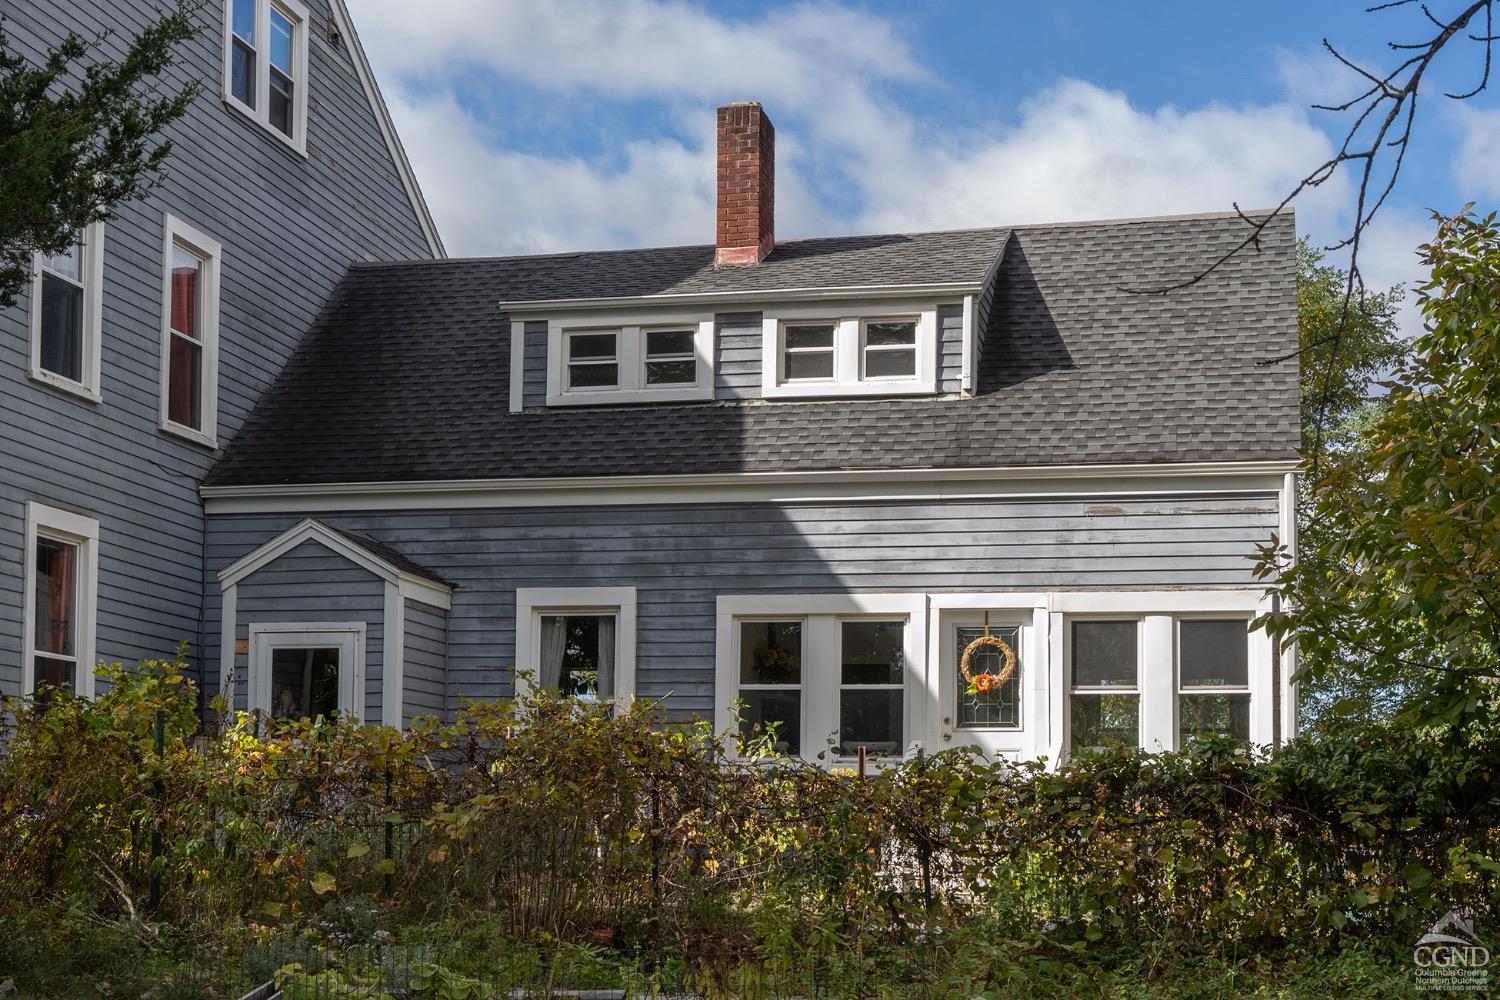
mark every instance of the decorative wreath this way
{"type": "Point", "coordinates": [983, 683]}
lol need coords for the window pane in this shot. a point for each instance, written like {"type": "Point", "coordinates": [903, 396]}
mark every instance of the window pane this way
{"type": "Point", "coordinates": [187, 272]}
{"type": "Point", "coordinates": [1104, 654]}
{"type": "Point", "coordinates": [185, 383]}
{"type": "Point", "coordinates": [69, 263]}
{"type": "Point", "coordinates": [244, 19]}
{"type": "Point", "coordinates": [778, 710]}
{"type": "Point", "coordinates": [903, 332]}
{"type": "Point", "coordinates": [869, 719]}
{"type": "Point", "coordinates": [818, 364]}
{"type": "Point", "coordinates": [592, 376]}
{"type": "Point", "coordinates": [1213, 714]}
{"type": "Point", "coordinates": [56, 596]}
{"type": "Point", "coordinates": [584, 346]}
{"type": "Point", "coordinates": [62, 328]}
{"type": "Point", "coordinates": [281, 42]}
{"type": "Point", "coordinates": [770, 653]}
{"type": "Point", "coordinates": [54, 673]}
{"type": "Point", "coordinates": [281, 102]}
{"type": "Point", "coordinates": [1101, 720]}
{"type": "Point", "coordinates": [304, 683]}
{"type": "Point", "coordinates": [242, 73]}
{"type": "Point", "coordinates": [1214, 654]}
{"type": "Point", "coordinates": [810, 335]}
{"type": "Point", "coordinates": [890, 364]}
{"type": "Point", "coordinates": [661, 342]}
{"type": "Point", "coordinates": [671, 372]}
{"type": "Point", "coordinates": [871, 652]}
{"type": "Point", "coordinates": [583, 655]}
{"type": "Point", "coordinates": [999, 706]}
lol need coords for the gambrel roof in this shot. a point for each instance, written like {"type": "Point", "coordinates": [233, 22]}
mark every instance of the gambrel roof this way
{"type": "Point", "coordinates": [406, 375]}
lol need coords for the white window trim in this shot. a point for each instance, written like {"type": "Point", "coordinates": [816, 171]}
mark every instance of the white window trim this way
{"type": "Point", "coordinates": [66, 526]}
{"type": "Point", "coordinates": [534, 602]}
{"type": "Point", "coordinates": [849, 319]}
{"type": "Point", "coordinates": [821, 615]}
{"type": "Point", "coordinates": [629, 355]}
{"type": "Point", "coordinates": [348, 637]}
{"type": "Point", "coordinates": [178, 232]}
{"type": "Point", "coordinates": [261, 113]}
{"type": "Point", "coordinates": [91, 271]}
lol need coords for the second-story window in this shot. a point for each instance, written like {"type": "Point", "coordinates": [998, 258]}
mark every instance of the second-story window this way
{"type": "Point", "coordinates": [608, 358]}
{"type": "Point", "coordinates": [65, 315]}
{"type": "Point", "coordinates": [265, 64]}
{"type": "Point", "coordinates": [190, 333]}
{"type": "Point", "coordinates": [868, 348]}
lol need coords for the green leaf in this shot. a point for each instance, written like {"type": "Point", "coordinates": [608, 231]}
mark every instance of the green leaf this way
{"type": "Point", "coordinates": [358, 849]}
{"type": "Point", "coordinates": [324, 883]}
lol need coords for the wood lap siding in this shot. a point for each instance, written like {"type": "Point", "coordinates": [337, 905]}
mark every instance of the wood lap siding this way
{"type": "Point", "coordinates": [426, 661]}
{"type": "Point", "coordinates": [534, 370]}
{"type": "Point", "coordinates": [289, 226]}
{"type": "Point", "coordinates": [312, 584]}
{"type": "Point", "coordinates": [737, 339]}
{"type": "Point", "coordinates": [950, 342]}
{"type": "Point", "coordinates": [681, 558]}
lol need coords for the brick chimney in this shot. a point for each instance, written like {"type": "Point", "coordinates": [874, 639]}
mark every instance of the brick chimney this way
{"type": "Point", "coordinates": [747, 185]}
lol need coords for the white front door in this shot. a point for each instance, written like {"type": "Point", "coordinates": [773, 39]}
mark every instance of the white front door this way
{"type": "Point", "coordinates": [993, 721]}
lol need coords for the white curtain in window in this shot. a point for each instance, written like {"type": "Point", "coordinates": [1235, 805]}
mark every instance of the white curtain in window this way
{"type": "Point", "coordinates": [554, 642]}
{"type": "Point", "coordinates": [606, 659]}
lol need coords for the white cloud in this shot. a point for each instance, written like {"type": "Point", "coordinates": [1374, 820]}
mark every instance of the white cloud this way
{"type": "Point", "coordinates": [1476, 168]}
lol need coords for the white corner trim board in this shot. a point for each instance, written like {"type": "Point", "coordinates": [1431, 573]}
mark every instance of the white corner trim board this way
{"type": "Point", "coordinates": [1220, 478]}
{"type": "Point", "coordinates": [533, 602]}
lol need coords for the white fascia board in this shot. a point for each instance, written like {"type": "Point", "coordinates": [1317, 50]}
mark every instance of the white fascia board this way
{"type": "Point", "coordinates": [1259, 478]}
{"type": "Point", "coordinates": [737, 299]}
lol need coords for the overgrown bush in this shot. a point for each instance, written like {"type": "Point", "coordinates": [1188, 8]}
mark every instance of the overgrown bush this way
{"type": "Point", "coordinates": [553, 826]}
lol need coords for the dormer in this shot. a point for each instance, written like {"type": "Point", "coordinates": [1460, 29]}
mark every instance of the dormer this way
{"type": "Point", "coordinates": [751, 318]}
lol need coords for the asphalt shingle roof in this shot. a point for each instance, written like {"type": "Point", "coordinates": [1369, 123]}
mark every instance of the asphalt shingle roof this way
{"type": "Point", "coordinates": [406, 374]}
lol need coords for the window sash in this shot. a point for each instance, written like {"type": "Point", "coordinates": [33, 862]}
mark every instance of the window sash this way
{"type": "Point", "coordinates": [788, 352]}
{"type": "Point", "coordinates": [796, 744]}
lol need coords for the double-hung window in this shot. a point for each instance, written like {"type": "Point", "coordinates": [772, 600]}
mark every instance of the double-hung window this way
{"type": "Point", "coordinates": [1213, 679]}
{"type": "Point", "coordinates": [769, 662]}
{"type": "Point", "coordinates": [872, 687]}
{"type": "Point", "coordinates": [190, 333]}
{"type": "Point", "coordinates": [854, 349]}
{"type": "Point", "coordinates": [599, 358]}
{"type": "Point", "coordinates": [265, 65]}
{"type": "Point", "coordinates": [578, 642]}
{"type": "Point", "coordinates": [66, 310]}
{"type": "Point", "coordinates": [1105, 702]}
{"type": "Point", "coordinates": [59, 603]}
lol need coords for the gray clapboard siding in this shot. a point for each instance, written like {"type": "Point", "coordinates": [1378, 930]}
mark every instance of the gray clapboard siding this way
{"type": "Point", "coordinates": [737, 339]}
{"type": "Point", "coordinates": [289, 226]}
{"type": "Point", "coordinates": [426, 663]}
{"type": "Point", "coordinates": [312, 584]}
{"type": "Point", "coordinates": [950, 346]}
{"type": "Point", "coordinates": [681, 558]}
{"type": "Point", "coordinates": [534, 375]}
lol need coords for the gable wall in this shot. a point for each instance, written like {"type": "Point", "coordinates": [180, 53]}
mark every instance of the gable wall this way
{"type": "Point", "coordinates": [289, 226]}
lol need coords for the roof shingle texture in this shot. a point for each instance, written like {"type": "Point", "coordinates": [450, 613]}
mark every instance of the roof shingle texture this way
{"type": "Point", "coordinates": [405, 376]}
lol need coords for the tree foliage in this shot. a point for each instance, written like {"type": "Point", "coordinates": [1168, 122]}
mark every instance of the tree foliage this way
{"type": "Point", "coordinates": [1402, 588]}
{"type": "Point", "coordinates": [78, 139]}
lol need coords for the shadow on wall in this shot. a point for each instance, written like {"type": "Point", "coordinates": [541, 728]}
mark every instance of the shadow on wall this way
{"type": "Point", "coordinates": [1023, 341]}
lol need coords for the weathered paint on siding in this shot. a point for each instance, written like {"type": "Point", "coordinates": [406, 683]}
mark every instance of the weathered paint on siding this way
{"type": "Point", "coordinates": [289, 226]}
{"type": "Point", "coordinates": [681, 558]}
{"type": "Point", "coordinates": [426, 661]}
{"type": "Point", "coordinates": [313, 584]}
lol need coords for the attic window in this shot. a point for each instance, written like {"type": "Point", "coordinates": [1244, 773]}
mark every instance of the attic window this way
{"type": "Point", "coordinates": [850, 349]}
{"type": "Point", "coordinates": [265, 65]}
{"type": "Point", "coordinates": [636, 359]}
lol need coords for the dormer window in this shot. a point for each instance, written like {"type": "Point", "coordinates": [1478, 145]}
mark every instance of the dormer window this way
{"type": "Point", "coordinates": [627, 359]}
{"type": "Point", "coordinates": [851, 349]}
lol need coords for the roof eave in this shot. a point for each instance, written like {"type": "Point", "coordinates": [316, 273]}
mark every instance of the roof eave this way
{"type": "Point", "coordinates": [938, 288]}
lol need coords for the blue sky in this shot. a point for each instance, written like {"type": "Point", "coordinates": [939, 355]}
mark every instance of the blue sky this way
{"type": "Point", "coordinates": [588, 123]}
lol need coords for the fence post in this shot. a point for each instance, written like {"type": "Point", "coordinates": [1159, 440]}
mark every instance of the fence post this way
{"type": "Point", "coordinates": [389, 831]}
{"type": "Point", "coordinates": [158, 793]}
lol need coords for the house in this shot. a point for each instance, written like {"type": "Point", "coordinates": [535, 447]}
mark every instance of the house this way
{"type": "Point", "coordinates": [783, 483]}
{"type": "Point", "coordinates": [133, 359]}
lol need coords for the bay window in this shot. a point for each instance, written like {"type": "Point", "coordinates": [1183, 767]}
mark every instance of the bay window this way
{"type": "Point", "coordinates": [190, 328]}
{"type": "Point", "coordinates": [265, 65]}
{"type": "Point", "coordinates": [66, 310]}
{"type": "Point", "coordinates": [59, 601]}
